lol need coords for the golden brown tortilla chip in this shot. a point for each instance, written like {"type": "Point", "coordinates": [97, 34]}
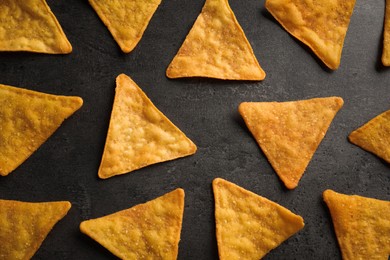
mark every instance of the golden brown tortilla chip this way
{"type": "Point", "coordinates": [321, 25]}
{"type": "Point", "coordinates": [126, 19]}
{"type": "Point", "coordinates": [362, 225]}
{"type": "Point", "coordinates": [248, 226]}
{"type": "Point", "coordinates": [139, 134]}
{"type": "Point", "coordinates": [27, 119]}
{"type": "Point", "coordinates": [29, 25]}
{"type": "Point", "coordinates": [216, 47]}
{"type": "Point", "coordinates": [289, 132]}
{"type": "Point", "coordinates": [386, 36]}
{"type": "Point", "coordinates": [145, 231]}
{"type": "Point", "coordinates": [24, 226]}
{"type": "Point", "coordinates": [374, 136]}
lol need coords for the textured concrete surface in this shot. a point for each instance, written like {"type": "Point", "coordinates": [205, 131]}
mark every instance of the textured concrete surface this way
{"type": "Point", "coordinates": [65, 167]}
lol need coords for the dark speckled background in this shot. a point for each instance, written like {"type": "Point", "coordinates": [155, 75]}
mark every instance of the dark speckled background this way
{"type": "Point", "coordinates": [65, 167]}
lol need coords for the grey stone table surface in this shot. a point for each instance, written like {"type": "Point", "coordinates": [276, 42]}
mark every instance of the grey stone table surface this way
{"type": "Point", "coordinates": [65, 167]}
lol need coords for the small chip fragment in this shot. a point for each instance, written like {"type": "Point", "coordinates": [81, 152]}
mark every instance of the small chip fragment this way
{"type": "Point", "coordinates": [386, 36]}
{"type": "Point", "coordinates": [27, 119]}
{"type": "Point", "coordinates": [374, 136]}
{"type": "Point", "coordinates": [362, 225]}
{"type": "Point", "coordinates": [216, 47]}
{"type": "Point", "coordinates": [289, 132]}
{"type": "Point", "coordinates": [145, 231]}
{"type": "Point", "coordinates": [139, 134]}
{"type": "Point", "coordinates": [248, 226]}
{"type": "Point", "coordinates": [29, 25]}
{"type": "Point", "coordinates": [126, 19]}
{"type": "Point", "coordinates": [25, 225]}
{"type": "Point", "coordinates": [321, 25]}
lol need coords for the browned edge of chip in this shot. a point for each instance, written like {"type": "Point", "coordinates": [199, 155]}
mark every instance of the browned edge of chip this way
{"type": "Point", "coordinates": [386, 36]}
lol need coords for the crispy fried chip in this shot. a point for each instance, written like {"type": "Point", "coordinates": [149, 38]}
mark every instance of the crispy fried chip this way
{"type": "Point", "coordinates": [24, 226]}
{"type": "Point", "coordinates": [289, 132]}
{"type": "Point", "coordinates": [321, 25]}
{"type": "Point", "coordinates": [248, 226]}
{"type": "Point", "coordinates": [216, 47]}
{"type": "Point", "coordinates": [29, 25]}
{"type": "Point", "coordinates": [27, 119]}
{"type": "Point", "coordinates": [386, 36]}
{"type": "Point", "coordinates": [145, 231]}
{"type": "Point", "coordinates": [374, 136]}
{"type": "Point", "coordinates": [139, 134]}
{"type": "Point", "coordinates": [126, 19]}
{"type": "Point", "coordinates": [362, 225]}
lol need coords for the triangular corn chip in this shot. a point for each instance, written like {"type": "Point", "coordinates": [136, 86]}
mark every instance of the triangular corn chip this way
{"type": "Point", "coordinates": [321, 25]}
{"type": "Point", "coordinates": [139, 134]}
{"type": "Point", "coordinates": [27, 119]}
{"type": "Point", "coordinates": [24, 226]}
{"type": "Point", "coordinates": [145, 231]}
{"type": "Point", "coordinates": [289, 132]}
{"type": "Point", "coordinates": [29, 25]}
{"type": "Point", "coordinates": [216, 47]}
{"type": "Point", "coordinates": [362, 225]}
{"type": "Point", "coordinates": [248, 226]}
{"type": "Point", "coordinates": [374, 136]}
{"type": "Point", "coordinates": [386, 36]}
{"type": "Point", "coordinates": [126, 19]}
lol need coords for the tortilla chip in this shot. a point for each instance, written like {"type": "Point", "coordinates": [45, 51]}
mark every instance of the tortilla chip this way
{"type": "Point", "coordinates": [24, 226]}
{"type": "Point", "coordinates": [145, 231]}
{"type": "Point", "coordinates": [216, 47]}
{"type": "Point", "coordinates": [139, 134]}
{"type": "Point", "coordinates": [126, 19]}
{"type": "Point", "coordinates": [374, 136]}
{"type": "Point", "coordinates": [322, 26]}
{"type": "Point", "coordinates": [248, 226]}
{"type": "Point", "coordinates": [29, 25]}
{"type": "Point", "coordinates": [386, 37]}
{"type": "Point", "coordinates": [289, 132]}
{"type": "Point", "coordinates": [27, 119]}
{"type": "Point", "coordinates": [362, 225]}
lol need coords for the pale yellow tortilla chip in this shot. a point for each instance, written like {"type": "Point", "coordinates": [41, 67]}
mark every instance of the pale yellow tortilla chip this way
{"type": "Point", "coordinates": [248, 226]}
{"type": "Point", "coordinates": [374, 136]}
{"type": "Point", "coordinates": [27, 119]}
{"type": "Point", "coordinates": [216, 47]}
{"type": "Point", "coordinates": [362, 225]}
{"type": "Point", "coordinates": [321, 25]}
{"type": "Point", "coordinates": [29, 25]}
{"type": "Point", "coordinates": [289, 132]}
{"type": "Point", "coordinates": [25, 225]}
{"type": "Point", "coordinates": [145, 231]}
{"type": "Point", "coordinates": [139, 134]}
{"type": "Point", "coordinates": [386, 36]}
{"type": "Point", "coordinates": [126, 19]}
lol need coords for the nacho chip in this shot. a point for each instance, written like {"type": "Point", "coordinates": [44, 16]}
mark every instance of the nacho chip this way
{"type": "Point", "coordinates": [29, 25]}
{"type": "Point", "coordinates": [145, 231]}
{"type": "Point", "coordinates": [362, 225]}
{"type": "Point", "coordinates": [321, 25]}
{"type": "Point", "coordinates": [289, 132]}
{"type": "Point", "coordinates": [216, 47]}
{"type": "Point", "coordinates": [374, 136]}
{"type": "Point", "coordinates": [126, 19]}
{"type": "Point", "coordinates": [27, 119]}
{"type": "Point", "coordinates": [139, 134]}
{"type": "Point", "coordinates": [24, 226]}
{"type": "Point", "coordinates": [386, 36]}
{"type": "Point", "coordinates": [248, 226]}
